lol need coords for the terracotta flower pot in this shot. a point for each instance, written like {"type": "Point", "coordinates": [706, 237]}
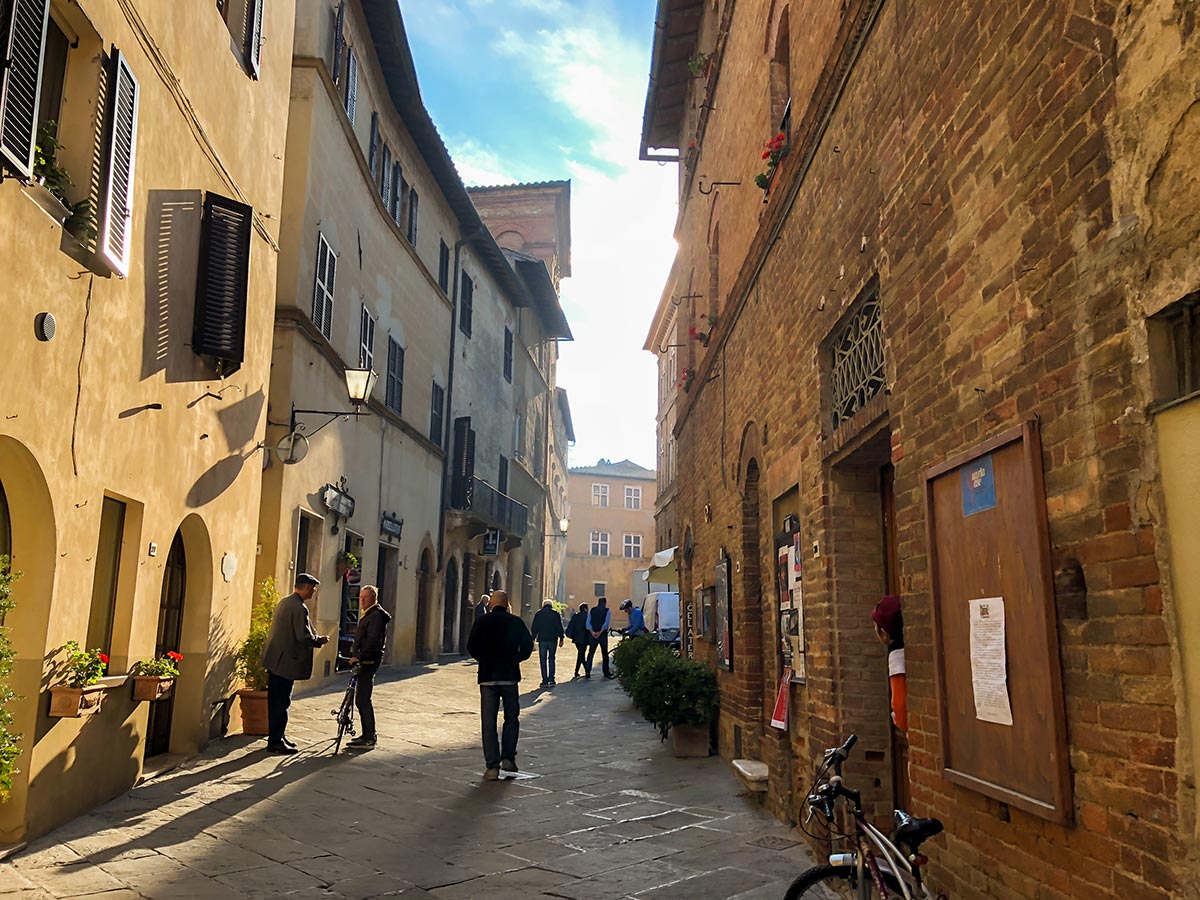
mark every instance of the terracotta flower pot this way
{"type": "Point", "coordinates": [148, 688]}
{"type": "Point", "coordinates": [690, 741]}
{"type": "Point", "coordinates": [254, 712]}
{"type": "Point", "coordinates": [73, 703]}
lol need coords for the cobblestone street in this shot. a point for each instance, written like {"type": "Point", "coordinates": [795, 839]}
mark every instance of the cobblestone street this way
{"type": "Point", "coordinates": [602, 810]}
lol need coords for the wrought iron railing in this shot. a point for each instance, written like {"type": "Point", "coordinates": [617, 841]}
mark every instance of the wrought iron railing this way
{"type": "Point", "coordinates": [490, 506]}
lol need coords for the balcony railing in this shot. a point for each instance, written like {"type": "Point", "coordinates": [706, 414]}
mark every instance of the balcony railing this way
{"type": "Point", "coordinates": [491, 507]}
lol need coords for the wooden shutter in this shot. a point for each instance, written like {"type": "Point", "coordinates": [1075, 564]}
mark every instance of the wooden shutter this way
{"type": "Point", "coordinates": [373, 153]}
{"type": "Point", "coordinates": [413, 208]}
{"type": "Point", "coordinates": [438, 399]}
{"type": "Point", "coordinates": [323, 285]}
{"type": "Point", "coordinates": [254, 37]}
{"type": "Point", "coordinates": [351, 83]}
{"type": "Point", "coordinates": [464, 462]}
{"type": "Point", "coordinates": [394, 202]}
{"type": "Point", "coordinates": [395, 376]}
{"type": "Point", "coordinates": [219, 325]}
{"type": "Point", "coordinates": [339, 41]}
{"type": "Point", "coordinates": [22, 41]}
{"type": "Point", "coordinates": [508, 355]}
{"type": "Point", "coordinates": [116, 226]}
{"type": "Point", "coordinates": [385, 182]}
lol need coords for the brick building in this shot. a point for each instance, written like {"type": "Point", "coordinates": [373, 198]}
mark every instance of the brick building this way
{"type": "Point", "coordinates": [947, 351]}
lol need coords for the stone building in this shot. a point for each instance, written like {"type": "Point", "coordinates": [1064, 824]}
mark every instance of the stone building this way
{"type": "Point", "coordinates": [952, 356]}
{"type": "Point", "coordinates": [138, 287]}
{"type": "Point", "coordinates": [612, 525]}
{"type": "Point", "coordinates": [663, 342]}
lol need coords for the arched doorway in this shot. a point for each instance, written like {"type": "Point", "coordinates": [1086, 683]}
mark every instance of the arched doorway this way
{"type": "Point", "coordinates": [423, 570]}
{"type": "Point", "coordinates": [449, 606]}
{"type": "Point", "coordinates": [169, 638]}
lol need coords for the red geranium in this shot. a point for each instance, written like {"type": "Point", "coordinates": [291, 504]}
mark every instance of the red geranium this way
{"type": "Point", "coordinates": [177, 657]}
{"type": "Point", "coordinates": [103, 658]}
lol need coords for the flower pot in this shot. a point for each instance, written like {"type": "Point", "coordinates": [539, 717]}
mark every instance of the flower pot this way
{"type": "Point", "coordinates": [49, 204]}
{"type": "Point", "coordinates": [73, 703]}
{"type": "Point", "coordinates": [689, 741]}
{"type": "Point", "coordinates": [148, 688]}
{"type": "Point", "coordinates": [254, 712]}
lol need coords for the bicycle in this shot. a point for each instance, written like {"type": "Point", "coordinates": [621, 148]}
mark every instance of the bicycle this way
{"type": "Point", "coordinates": [890, 866]}
{"type": "Point", "coordinates": [345, 713]}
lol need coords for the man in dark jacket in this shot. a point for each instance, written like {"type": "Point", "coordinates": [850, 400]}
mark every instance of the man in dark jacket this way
{"type": "Point", "coordinates": [577, 631]}
{"type": "Point", "coordinates": [288, 658]}
{"type": "Point", "coordinates": [370, 642]}
{"type": "Point", "coordinates": [599, 620]}
{"type": "Point", "coordinates": [548, 632]}
{"type": "Point", "coordinates": [501, 642]}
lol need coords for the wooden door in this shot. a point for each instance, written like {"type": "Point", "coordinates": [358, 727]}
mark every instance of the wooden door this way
{"type": "Point", "coordinates": [422, 649]}
{"type": "Point", "coordinates": [901, 790]}
{"type": "Point", "coordinates": [170, 631]}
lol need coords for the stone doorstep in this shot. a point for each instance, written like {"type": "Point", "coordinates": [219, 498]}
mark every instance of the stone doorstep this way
{"type": "Point", "coordinates": [753, 774]}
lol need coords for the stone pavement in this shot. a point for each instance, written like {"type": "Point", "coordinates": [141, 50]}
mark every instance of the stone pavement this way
{"type": "Point", "coordinates": [602, 812]}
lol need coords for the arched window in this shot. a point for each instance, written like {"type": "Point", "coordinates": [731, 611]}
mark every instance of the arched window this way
{"type": "Point", "coordinates": [779, 54]}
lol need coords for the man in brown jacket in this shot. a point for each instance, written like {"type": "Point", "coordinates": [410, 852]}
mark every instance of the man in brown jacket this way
{"type": "Point", "coordinates": [288, 658]}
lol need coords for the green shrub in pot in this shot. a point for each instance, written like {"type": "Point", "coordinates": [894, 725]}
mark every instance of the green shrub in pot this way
{"type": "Point", "coordinates": [672, 691]}
{"type": "Point", "coordinates": [629, 656]}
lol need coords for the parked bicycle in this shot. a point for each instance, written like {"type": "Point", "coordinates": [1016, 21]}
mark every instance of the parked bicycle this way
{"type": "Point", "coordinates": [345, 713]}
{"type": "Point", "coordinates": [873, 861]}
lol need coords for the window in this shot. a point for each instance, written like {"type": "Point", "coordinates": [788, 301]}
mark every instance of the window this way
{"type": "Point", "coordinates": [599, 495]}
{"type": "Point", "coordinates": [54, 73]}
{"type": "Point", "coordinates": [633, 497]}
{"type": "Point", "coordinates": [437, 413]}
{"type": "Point", "coordinates": [633, 546]}
{"type": "Point", "coordinates": [323, 287]}
{"type": "Point", "coordinates": [244, 19]}
{"type": "Point", "coordinates": [122, 143]}
{"type": "Point", "coordinates": [351, 95]}
{"type": "Point", "coordinates": [395, 376]}
{"type": "Point", "coordinates": [366, 339]}
{"type": "Point", "coordinates": [599, 543]}
{"type": "Point", "coordinates": [1175, 349]}
{"type": "Point", "coordinates": [519, 436]}
{"type": "Point", "coordinates": [108, 571]}
{"type": "Point", "coordinates": [20, 79]}
{"type": "Point", "coordinates": [444, 267]}
{"type": "Point", "coordinates": [856, 361]}
{"type": "Point", "coordinates": [385, 184]}
{"type": "Point", "coordinates": [219, 323]}
{"type": "Point", "coordinates": [413, 204]}
{"type": "Point", "coordinates": [503, 479]}
{"type": "Point", "coordinates": [598, 589]}
{"type": "Point", "coordinates": [254, 37]}
{"type": "Point", "coordinates": [395, 202]}
{"type": "Point", "coordinates": [466, 304]}
{"type": "Point", "coordinates": [373, 148]}
{"type": "Point", "coordinates": [508, 355]}
{"type": "Point", "coordinates": [339, 39]}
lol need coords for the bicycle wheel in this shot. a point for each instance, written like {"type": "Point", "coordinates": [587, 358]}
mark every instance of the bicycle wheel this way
{"type": "Point", "coordinates": [825, 883]}
{"type": "Point", "coordinates": [345, 719]}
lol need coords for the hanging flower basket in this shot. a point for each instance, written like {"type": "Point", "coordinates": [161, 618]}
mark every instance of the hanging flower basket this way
{"type": "Point", "coordinates": [74, 703]}
{"type": "Point", "coordinates": [686, 378]}
{"type": "Point", "coordinates": [148, 688]}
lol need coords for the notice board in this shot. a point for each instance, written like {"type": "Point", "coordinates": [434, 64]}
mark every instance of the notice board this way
{"type": "Point", "coordinates": [989, 557]}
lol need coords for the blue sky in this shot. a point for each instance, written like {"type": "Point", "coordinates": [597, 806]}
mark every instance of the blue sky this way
{"type": "Point", "coordinates": [535, 90]}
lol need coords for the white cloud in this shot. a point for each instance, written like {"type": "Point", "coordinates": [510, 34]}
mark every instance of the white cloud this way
{"type": "Point", "coordinates": [479, 165]}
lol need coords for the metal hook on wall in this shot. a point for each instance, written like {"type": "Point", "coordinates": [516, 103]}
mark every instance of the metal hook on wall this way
{"type": "Point", "coordinates": [714, 185]}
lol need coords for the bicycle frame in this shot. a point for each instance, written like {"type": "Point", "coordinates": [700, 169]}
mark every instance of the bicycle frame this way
{"type": "Point", "coordinates": [876, 856]}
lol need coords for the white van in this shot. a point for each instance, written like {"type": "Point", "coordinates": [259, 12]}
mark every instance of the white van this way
{"type": "Point", "coordinates": [661, 609]}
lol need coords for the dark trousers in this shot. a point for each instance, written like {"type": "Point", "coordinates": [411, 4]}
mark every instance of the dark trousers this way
{"type": "Point", "coordinates": [362, 699]}
{"type": "Point", "coordinates": [498, 747]}
{"type": "Point", "coordinates": [602, 643]}
{"type": "Point", "coordinates": [279, 698]}
{"type": "Point", "coordinates": [581, 656]}
{"type": "Point", "coordinates": [546, 652]}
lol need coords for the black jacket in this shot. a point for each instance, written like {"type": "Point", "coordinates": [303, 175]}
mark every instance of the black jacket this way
{"type": "Point", "coordinates": [547, 625]}
{"type": "Point", "coordinates": [577, 628]}
{"type": "Point", "coordinates": [370, 637]}
{"type": "Point", "coordinates": [500, 641]}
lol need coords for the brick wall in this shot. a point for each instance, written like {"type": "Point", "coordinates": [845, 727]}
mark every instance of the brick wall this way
{"type": "Point", "coordinates": [982, 163]}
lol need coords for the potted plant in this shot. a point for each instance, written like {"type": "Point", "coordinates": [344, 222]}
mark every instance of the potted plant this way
{"type": "Point", "coordinates": [345, 562]}
{"type": "Point", "coordinates": [249, 660]}
{"type": "Point", "coordinates": [50, 180]}
{"type": "Point", "coordinates": [629, 656]}
{"type": "Point", "coordinates": [154, 680]}
{"type": "Point", "coordinates": [776, 149]}
{"type": "Point", "coordinates": [679, 697]}
{"type": "Point", "coordinates": [10, 740]}
{"type": "Point", "coordinates": [686, 377]}
{"type": "Point", "coordinates": [81, 695]}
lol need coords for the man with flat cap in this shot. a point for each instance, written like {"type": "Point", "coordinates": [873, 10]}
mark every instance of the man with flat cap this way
{"type": "Point", "coordinates": [288, 658]}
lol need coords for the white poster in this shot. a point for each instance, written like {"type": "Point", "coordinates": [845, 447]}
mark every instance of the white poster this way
{"type": "Point", "coordinates": [989, 665]}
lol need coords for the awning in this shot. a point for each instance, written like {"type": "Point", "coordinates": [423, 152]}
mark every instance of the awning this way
{"type": "Point", "coordinates": [663, 568]}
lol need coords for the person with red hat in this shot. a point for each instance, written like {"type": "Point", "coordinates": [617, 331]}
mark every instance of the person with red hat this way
{"type": "Point", "coordinates": [889, 628]}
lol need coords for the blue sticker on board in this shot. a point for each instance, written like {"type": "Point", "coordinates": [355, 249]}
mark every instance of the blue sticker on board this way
{"type": "Point", "coordinates": [978, 486]}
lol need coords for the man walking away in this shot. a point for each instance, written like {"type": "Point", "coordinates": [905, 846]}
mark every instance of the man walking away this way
{"type": "Point", "coordinates": [598, 621]}
{"type": "Point", "coordinates": [577, 631]}
{"type": "Point", "coordinates": [501, 642]}
{"type": "Point", "coordinates": [370, 641]}
{"type": "Point", "coordinates": [637, 619]}
{"type": "Point", "coordinates": [288, 658]}
{"type": "Point", "coordinates": [482, 607]}
{"type": "Point", "coordinates": [549, 634]}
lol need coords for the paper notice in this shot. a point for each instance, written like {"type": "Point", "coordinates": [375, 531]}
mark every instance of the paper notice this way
{"type": "Point", "coordinates": [989, 666]}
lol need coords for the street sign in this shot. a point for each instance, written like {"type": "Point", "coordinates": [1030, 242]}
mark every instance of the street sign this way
{"type": "Point", "coordinates": [491, 543]}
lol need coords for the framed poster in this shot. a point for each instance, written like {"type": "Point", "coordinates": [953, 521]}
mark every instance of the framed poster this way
{"type": "Point", "coordinates": [724, 618]}
{"type": "Point", "coordinates": [789, 586]}
{"type": "Point", "coordinates": [995, 628]}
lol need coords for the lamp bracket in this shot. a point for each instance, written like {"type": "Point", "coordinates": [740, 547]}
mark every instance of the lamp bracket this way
{"type": "Point", "coordinates": [333, 414]}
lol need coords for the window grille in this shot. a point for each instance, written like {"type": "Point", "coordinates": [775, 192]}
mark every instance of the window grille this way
{"type": "Point", "coordinates": [856, 371]}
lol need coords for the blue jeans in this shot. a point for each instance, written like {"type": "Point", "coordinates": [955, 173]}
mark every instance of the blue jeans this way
{"type": "Point", "coordinates": [546, 658]}
{"type": "Point", "coordinates": [490, 698]}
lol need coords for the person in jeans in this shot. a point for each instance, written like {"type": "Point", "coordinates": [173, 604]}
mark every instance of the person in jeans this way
{"type": "Point", "coordinates": [288, 658]}
{"type": "Point", "coordinates": [501, 642]}
{"type": "Point", "coordinates": [577, 631]}
{"type": "Point", "coordinates": [370, 642]}
{"type": "Point", "coordinates": [599, 619]}
{"type": "Point", "coordinates": [549, 634]}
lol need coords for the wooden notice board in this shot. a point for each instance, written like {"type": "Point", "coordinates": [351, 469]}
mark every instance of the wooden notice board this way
{"type": "Point", "coordinates": [988, 538]}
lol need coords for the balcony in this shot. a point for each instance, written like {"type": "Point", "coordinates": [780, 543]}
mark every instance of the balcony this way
{"type": "Point", "coordinates": [489, 506]}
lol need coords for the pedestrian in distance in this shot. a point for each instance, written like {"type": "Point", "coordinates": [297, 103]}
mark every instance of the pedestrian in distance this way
{"type": "Point", "coordinates": [637, 619]}
{"type": "Point", "coordinates": [577, 631]}
{"type": "Point", "coordinates": [482, 607]}
{"type": "Point", "coordinates": [501, 642]}
{"type": "Point", "coordinates": [370, 642]}
{"type": "Point", "coordinates": [288, 658]}
{"type": "Point", "coordinates": [599, 620]}
{"type": "Point", "coordinates": [549, 634]}
{"type": "Point", "coordinates": [889, 628]}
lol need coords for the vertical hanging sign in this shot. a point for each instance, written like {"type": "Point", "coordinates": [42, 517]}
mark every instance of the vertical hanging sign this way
{"type": "Point", "coordinates": [724, 622]}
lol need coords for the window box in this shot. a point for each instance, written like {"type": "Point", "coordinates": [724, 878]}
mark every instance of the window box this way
{"type": "Point", "coordinates": [47, 202]}
{"type": "Point", "coordinates": [73, 703]}
{"type": "Point", "coordinates": [148, 688]}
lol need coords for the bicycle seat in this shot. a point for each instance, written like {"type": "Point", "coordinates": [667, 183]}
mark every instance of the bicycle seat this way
{"type": "Point", "coordinates": [913, 831]}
